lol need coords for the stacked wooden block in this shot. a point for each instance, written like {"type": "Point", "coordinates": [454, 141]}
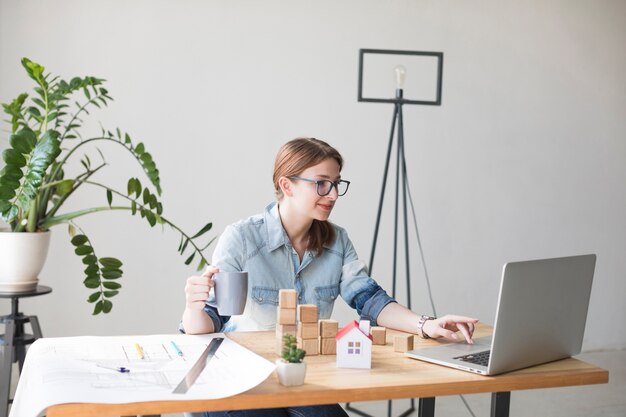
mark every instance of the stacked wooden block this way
{"type": "Point", "coordinates": [327, 331]}
{"type": "Point", "coordinates": [285, 317]}
{"type": "Point", "coordinates": [307, 331]}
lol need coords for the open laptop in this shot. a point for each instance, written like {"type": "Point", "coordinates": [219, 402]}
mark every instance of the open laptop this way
{"type": "Point", "coordinates": [541, 315]}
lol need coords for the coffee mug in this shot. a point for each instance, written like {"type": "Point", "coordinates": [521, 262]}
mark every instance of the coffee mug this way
{"type": "Point", "coordinates": [231, 292]}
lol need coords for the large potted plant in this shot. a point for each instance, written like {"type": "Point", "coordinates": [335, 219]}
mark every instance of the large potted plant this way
{"type": "Point", "coordinates": [45, 133]}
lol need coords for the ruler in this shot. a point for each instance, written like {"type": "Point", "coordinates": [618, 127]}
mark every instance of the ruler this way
{"type": "Point", "coordinates": [198, 367]}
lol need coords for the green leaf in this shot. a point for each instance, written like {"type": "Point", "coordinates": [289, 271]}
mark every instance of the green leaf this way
{"type": "Point", "coordinates": [23, 141]}
{"type": "Point", "coordinates": [92, 270]}
{"type": "Point", "coordinates": [110, 294]}
{"type": "Point", "coordinates": [64, 187]}
{"type": "Point", "coordinates": [90, 260]}
{"type": "Point", "coordinates": [133, 207]}
{"type": "Point", "coordinates": [109, 197]}
{"type": "Point", "coordinates": [111, 274]}
{"type": "Point", "coordinates": [151, 218]}
{"type": "Point", "coordinates": [83, 250]}
{"type": "Point", "coordinates": [93, 297]}
{"type": "Point", "coordinates": [79, 240]}
{"type": "Point", "coordinates": [98, 308]}
{"type": "Point", "coordinates": [111, 285]}
{"type": "Point", "coordinates": [107, 306]}
{"type": "Point", "coordinates": [13, 157]}
{"type": "Point", "coordinates": [110, 263]}
{"type": "Point", "coordinates": [182, 249]}
{"type": "Point", "coordinates": [44, 153]}
{"type": "Point", "coordinates": [188, 261]}
{"type": "Point", "coordinates": [91, 283]}
{"type": "Point", "coordinates": [140, 149]}
{"type": "Point", "coordinates": [71, 230]}
{"type": "Point", "coordinates": [201, 265]}
{"type": "Point", "coordinates": [202, 231]}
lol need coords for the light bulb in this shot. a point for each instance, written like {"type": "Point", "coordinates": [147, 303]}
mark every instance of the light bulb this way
{"type": "Point", "coordinates": [400, 73]}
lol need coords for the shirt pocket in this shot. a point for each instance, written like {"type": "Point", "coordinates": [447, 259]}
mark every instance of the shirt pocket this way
{"type": "Point", "coordinates": [326, 296]}
{"type": "Point", "coordinates": [264, 303]}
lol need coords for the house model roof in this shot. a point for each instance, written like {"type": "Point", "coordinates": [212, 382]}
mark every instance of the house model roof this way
{"type": "Point", "coordinates": [347, 329]}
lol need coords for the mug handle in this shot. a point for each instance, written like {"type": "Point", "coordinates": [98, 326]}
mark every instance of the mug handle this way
{"type": "Point", "coordinates": [214, 303]}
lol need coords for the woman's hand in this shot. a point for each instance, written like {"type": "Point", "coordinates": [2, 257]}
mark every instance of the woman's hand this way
{"type": "Point", "coordinates": [198, 287]}
{"type": "Point", "coordinates": [448, 325]}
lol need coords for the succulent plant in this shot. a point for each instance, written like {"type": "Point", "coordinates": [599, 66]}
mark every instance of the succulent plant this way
{"type": "Point", "coordinates": [291, 353]}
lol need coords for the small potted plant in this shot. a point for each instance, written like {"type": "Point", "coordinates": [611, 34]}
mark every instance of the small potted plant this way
{"type": "Point", "coordinates": [290, 368]}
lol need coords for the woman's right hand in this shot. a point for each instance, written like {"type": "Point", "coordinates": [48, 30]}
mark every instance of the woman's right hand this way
{"type": "Point", "coordinates": [198, 287]}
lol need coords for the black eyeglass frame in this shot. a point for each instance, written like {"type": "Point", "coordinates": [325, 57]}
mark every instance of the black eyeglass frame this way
{"type": "Point", "coordinates": [317, 185]}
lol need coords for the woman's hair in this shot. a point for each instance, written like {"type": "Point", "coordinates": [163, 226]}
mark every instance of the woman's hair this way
{"type": "Point", "coordinates": [294, 157]}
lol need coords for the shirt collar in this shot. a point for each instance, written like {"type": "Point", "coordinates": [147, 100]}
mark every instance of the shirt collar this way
{"type": "Point", "coordinates": [276, 234]}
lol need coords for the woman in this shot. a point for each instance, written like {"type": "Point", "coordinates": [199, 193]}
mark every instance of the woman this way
{"type": "Point", "coordinates": [293, 245]}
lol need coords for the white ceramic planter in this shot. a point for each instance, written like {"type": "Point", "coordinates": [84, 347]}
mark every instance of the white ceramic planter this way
{"type": "Point", "coordinates": [290, 374]}
{"type": "Point", "coordinates": [22, 256]}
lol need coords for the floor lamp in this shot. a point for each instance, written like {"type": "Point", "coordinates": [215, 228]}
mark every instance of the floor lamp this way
{"type": "Point", "coordinates": [401, 186]}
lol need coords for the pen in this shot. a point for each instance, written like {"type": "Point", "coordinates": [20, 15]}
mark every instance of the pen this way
{"type": "Point", "coordinates": [139, 351]}
{"type": "Point", "coordinates": [113, 368]}
{"type": "Point", "coordinates": [176, 348]}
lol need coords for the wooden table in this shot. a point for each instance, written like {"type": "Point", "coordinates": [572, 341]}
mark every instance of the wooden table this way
{"type": "Point", "coordinates": [392, 376]}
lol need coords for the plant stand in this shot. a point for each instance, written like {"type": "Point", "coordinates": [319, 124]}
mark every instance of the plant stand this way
{"type": "Point", "coordinates": [14, 341]}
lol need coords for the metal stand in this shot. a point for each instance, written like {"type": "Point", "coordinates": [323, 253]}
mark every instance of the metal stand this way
{"type": "Point", "coordinates": [14, 341]}
{"type": "Point", "coordinates": [401, 177]}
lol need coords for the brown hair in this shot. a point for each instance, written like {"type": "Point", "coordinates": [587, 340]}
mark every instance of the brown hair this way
{"type": "Point", "coordinates": [294, 157]}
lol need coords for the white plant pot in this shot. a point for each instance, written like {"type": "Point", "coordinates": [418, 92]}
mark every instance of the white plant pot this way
{"type": "Point", "coordinates": [290, 374]}
{"type": "Point", "coordinates": [22, 256]}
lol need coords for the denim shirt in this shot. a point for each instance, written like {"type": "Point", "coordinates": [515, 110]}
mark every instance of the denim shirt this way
{"type": "Point", "coordinates": [260, 246]}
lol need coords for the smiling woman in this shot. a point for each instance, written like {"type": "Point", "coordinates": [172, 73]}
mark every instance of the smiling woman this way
{"type": "Point", "coordinates": [292, 245]}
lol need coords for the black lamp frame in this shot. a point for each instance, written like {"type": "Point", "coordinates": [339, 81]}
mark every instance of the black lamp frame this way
{"type": "Point", "coordinates": [426, 405]}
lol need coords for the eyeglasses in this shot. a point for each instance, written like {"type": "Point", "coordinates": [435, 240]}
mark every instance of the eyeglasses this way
{"type": "Point", "coordinates": [324, 187]}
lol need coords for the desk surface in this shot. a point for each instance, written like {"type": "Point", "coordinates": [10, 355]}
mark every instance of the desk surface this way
{"type": "Point", "coordinates": [392, 376]}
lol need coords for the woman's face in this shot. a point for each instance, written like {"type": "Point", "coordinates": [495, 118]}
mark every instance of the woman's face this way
{"type": "Point", "coordinates": [304, 194]}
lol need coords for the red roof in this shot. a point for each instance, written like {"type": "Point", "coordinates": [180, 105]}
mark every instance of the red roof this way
{"type": "Point", "coordinates": [352, 325]}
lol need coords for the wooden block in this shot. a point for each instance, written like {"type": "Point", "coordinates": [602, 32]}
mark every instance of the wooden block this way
{"type": "Point", "coordinates": [379, 335]}
{"type": "Point", "coordinates": [307, 313]}
{"type": "Point", "coordinates": [283, 329]}
{"type": "Point", "coordinates": [307, 331]}
{"type": "Point", "coordinates": [328, 328]}
{"type": "Point", "coordinates": [328, 346]}
{"type": "Point", "coordinates": [310, 346]}
{"type": "Point", "coordinates": [285, 315]}
{"type": "Point", "coordinates": [287, 298]}
{"type": "Point", "coordinates": [403, 343]}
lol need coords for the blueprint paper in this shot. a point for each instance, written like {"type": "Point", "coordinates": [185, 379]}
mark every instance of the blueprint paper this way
{"type": "Point", "coordinates": [65, 370]}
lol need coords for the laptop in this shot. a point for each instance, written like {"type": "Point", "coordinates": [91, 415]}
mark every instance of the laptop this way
{"type": "Point", "coordinates": [541, 315]}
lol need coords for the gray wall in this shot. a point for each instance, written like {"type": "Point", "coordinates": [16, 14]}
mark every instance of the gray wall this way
{"type": "Point", "coordinates": [524, 159]}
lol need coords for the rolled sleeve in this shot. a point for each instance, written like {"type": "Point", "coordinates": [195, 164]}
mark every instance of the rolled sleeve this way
{"type": "Point", "coordinates": [218, 321]}
{"type": "Point", "coordinates": [358, 289]}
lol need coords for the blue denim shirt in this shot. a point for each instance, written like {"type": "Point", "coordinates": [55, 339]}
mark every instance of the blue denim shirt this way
{"type": "Point", "coordinates": [260, 246]}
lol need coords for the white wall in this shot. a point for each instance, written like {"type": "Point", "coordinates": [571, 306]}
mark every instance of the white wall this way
{"type": "Point", "coordinates": [524, 159]}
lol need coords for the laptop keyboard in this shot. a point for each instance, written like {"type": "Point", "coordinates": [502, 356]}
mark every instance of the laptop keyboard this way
{"type": "Point", "coordinates": [480, 358]}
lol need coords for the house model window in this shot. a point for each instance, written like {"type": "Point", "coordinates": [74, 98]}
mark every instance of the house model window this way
{"type": "Point", "coordinates": [354, 348]}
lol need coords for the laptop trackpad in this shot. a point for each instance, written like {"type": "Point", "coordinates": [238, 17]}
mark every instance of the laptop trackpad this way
{"type": "Point", "coordinates": [480, 344]}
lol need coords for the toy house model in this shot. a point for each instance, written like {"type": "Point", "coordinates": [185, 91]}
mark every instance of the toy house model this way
{"type": "Point", "coordinates": [354, 346]}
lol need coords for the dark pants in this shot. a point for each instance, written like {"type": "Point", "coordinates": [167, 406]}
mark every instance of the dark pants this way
{"type": "Point", "coordinates": [330, 410]}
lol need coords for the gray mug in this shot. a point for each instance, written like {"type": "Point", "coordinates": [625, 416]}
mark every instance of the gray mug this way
{"type": "Point", "coordinates": [231, 292]}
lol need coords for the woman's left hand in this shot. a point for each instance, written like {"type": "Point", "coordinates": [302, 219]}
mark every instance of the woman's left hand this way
{"type": "Point", "coordinates": [448, 325]}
